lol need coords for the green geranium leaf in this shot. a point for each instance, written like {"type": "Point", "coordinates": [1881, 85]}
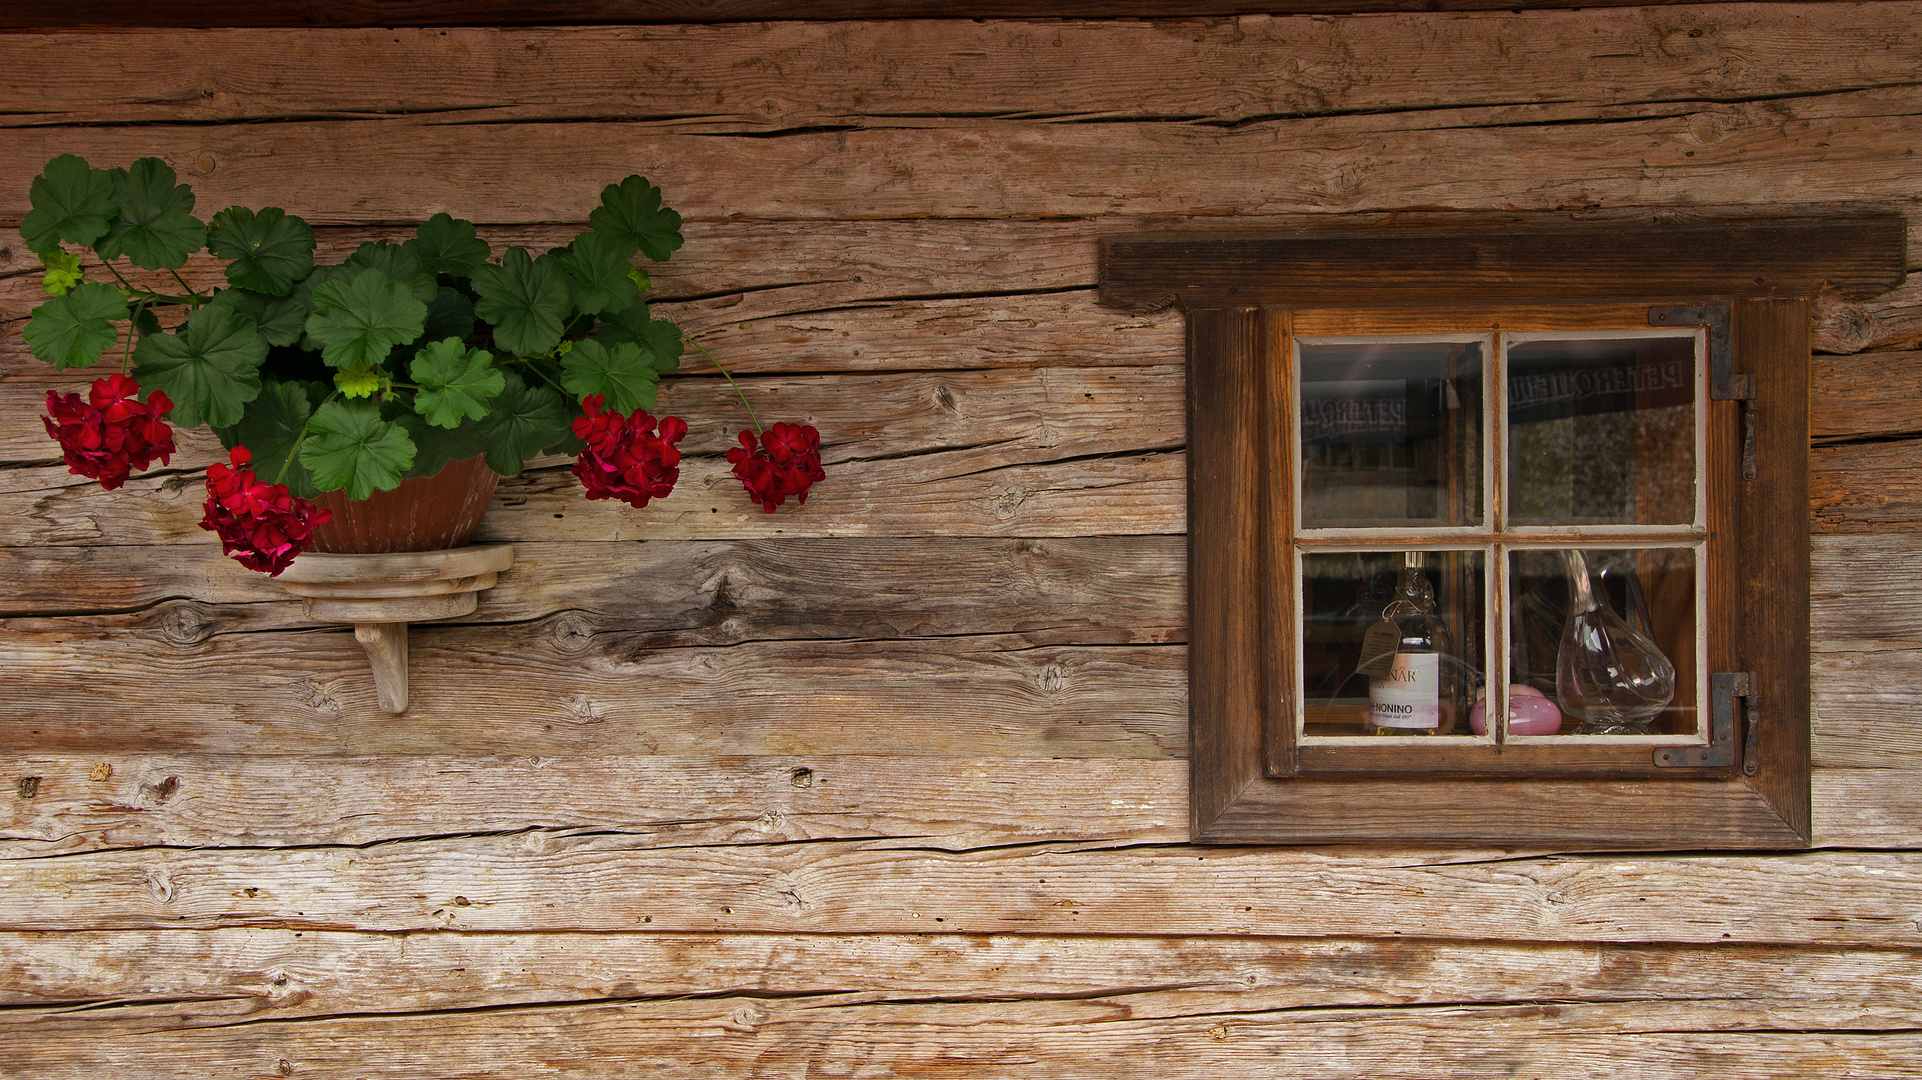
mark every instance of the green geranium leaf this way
{"type": "Point", "coordinates": [396, 261]}
{"type": "Point", "coordinates": [270, 428]}
{"type": "Point", "coordinates": [71, 202]}
{"type": "Point", "coordinates": [659, 339]}
{"type": "Point", "coordinates": [280, 319]}
{"type": "Point", "coordinates": [358, 382]}
{"type": "Point", "coordinates": [271, 250]}
{"type": "Point", "coordinates": [525, 421]}
{"type": "Point", "coordinates": [358, 320]}
{"type": "Point", "coordinates": [631, 213]}
{"type": "Point", "coordinates": [528, 301]}
{"type": "Point", "coordinates": [155, 228]}
{"type": "Point", "coordinates": [622, 373]}
{"type": "Point", "coordinates": [448, 245]}
{"type": "Point", "coordinates": [63, 271]}
{"type": "Point", "coordinates": [73, 330]}
{"type": "Point", "coordinates": [455, 382]}
{"type": "Point", "coordinates": [350, 447]}
{"type": "Point", "coordinates": [599, 269]}
{"type": "Point", "coordinates": [210, 369]}
{"type": "Point", "coordinates": [449, 314]}
{"type": "Point", "coordinates": [663, 343]}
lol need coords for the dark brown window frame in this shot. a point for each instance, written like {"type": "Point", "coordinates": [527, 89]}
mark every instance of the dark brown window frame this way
{"type": "Point", "coordinates": [1238, 290]}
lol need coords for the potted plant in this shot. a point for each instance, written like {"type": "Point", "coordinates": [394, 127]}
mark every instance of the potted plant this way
{"type": "Point", "coordinates": [407, 363]}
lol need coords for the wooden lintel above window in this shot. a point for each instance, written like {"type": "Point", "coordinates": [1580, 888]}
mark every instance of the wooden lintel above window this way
{"type": "Point", "coordinates": [1854, 256]}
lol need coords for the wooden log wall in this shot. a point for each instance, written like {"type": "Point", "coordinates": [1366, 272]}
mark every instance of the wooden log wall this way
{"type": "Point", "coordinates": [894, 785]}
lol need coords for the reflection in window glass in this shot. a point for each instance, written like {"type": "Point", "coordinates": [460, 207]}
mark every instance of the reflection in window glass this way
{"type": "Point", "coordinates": [1347, 655]}
{"type": "Point", "coordinates": [1620, 660]}
{"type": "Point", "coordinates": [1602, 432]}
{"type": "Point", "coordinates": [1391, 434]}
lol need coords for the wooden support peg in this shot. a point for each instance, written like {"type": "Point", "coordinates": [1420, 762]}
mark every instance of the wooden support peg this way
{"type": "Point", "coordinates": [386, 647]}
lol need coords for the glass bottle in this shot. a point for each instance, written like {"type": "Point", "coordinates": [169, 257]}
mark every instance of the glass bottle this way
{"type": "Point", "coordinates": [1419, 691]}
{"type": "Point", "coordinates": [1610, 675]}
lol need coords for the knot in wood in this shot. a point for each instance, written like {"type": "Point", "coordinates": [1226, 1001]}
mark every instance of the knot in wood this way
{"type": "Point", "coordinates": [182, 624]}
{"type": "Point", "coordinates": [1053, 679]}
{"type": "Point", "coordinates": [573, 633]}
{"type": "Point", "coordinates": [27, 786]}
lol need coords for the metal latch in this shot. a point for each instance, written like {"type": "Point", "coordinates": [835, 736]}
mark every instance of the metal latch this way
{"type": "Point", "coordinates": [1723, 689]}
{"type": "Point", "coordinates": [1723, 382]}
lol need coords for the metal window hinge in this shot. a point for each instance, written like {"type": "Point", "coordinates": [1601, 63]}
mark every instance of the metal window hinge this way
{"type": "Point", "coordinates": [1723, 689]}
{"type": "Point", "coordinates": [1724, 384]}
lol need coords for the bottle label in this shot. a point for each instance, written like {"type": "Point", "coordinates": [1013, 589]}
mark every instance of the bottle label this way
{"type": "Point", "coordinates": [1409, 696]}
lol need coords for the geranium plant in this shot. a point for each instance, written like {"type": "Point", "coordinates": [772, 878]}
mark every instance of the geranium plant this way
{"type": "Point", "coordinates": [356, 376]}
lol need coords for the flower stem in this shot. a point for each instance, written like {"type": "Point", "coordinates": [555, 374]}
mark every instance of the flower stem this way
{"type": "Point", "coordinates": [294, 450]}
{"type": "Point", "coordinates": [730, 381]}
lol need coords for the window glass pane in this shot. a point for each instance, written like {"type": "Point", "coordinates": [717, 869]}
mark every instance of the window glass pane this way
{"type": "Point", "coordinates": [1391, 434]}
{"type": "Point", "coordinates": [1619, 658]}
{"type": "Point", "coordinates": [1601, 431]}
{"type": "Point", "coordinates": [1388, 648]}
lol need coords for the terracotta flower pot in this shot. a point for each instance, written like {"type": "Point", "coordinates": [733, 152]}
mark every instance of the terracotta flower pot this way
{"type": "Point", "coordinates": [426, 513]}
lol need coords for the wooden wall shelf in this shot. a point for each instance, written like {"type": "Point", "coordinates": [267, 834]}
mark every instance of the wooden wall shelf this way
{"type": "Point", "coordinates": [381, 594]}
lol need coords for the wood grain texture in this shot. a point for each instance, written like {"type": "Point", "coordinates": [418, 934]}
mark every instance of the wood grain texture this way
{"type": "Point", "coordinates": [748, 1037]}
{"type": "Point", "coordinates": [171, 979]}
{"type": "Point", "coordinates": [796, 73]}
{"type": "Point", "coordinates": [1856, 258]}
{"type": "Point", "coordinates": [1829, 149]}
{"type": "Point", "coordinates": [1875, 395]}
{"type": "Point", "coordinates": [305, 13]}
{"type": "Point", "coordinates": [548, 690]}
{"type": "Point", "coordinates": [105, 800]}
{"type": "Point", "coordinates": [1873, 487]}
{"type": "Point", "coordinates": [548, 882]}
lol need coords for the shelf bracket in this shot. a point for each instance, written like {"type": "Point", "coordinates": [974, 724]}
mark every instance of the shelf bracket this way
{"type": "Point", "coordinates": [381, 594]}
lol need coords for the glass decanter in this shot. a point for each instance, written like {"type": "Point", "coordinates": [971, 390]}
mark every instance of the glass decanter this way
{"type": "Point", "coordinates": [1609, 675]}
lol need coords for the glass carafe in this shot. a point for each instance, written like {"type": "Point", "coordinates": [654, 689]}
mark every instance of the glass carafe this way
{"type": "Point", "coordinates": [1610, 676]}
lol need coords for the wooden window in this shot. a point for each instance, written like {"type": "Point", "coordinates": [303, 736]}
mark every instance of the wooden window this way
{"type": "Point", "coordinates": [1571, 425]}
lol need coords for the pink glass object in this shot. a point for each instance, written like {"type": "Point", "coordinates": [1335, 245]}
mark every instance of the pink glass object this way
{"type": "Point", "coordinates": [1529, 713]}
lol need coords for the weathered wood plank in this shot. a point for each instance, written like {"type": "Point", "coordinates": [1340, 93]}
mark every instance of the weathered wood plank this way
{"type": "Point", "coordinates": [547, 690]}
{"type": "Point", "coordinates": [664, 801]}
{"type": "Point", "coordinates": [978, 420]}
{"type": "Point", "coordinates": [540, 881]}
{"type": "Point", "coordinates": [750, 1037]}
{"type": "Point", "coordinates": [966, 492]}
{"type": "Point", "coordinates": [1867, 487]}
{"type": "Point", "coordinates": [176, 978]}
{"type": "Point", "coordinates": [808, 73]}
{"type": "Point", "coordinates": [48, 15]}
{"type": "Point", "coordinates": [1107, 590]}
{"type": "Point", "coordinates": [1868, 395]}
{"type": "Point", "coordinates": [92, 801]}
{"type": "Point", "coordinates": [1836, 148]}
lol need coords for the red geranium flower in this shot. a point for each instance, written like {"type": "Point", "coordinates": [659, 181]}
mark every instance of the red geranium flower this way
{"type": "Point", "coordinates": [624, 457]}
{"type": "Point", "coordinates": [786, 462]}
{"type": "Point", "coordinates": [263, 526]}
{"type": "Point", "coordinates": [110, 434]}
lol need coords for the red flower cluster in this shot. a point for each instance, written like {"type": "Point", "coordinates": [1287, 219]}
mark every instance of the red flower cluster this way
{"type": "Point", "coordinates": [624, 458]}
{"type": "Point", "coordinates": [263, 526]}
{"type": "Point", "coordinates": [787, 462]}
{"type": "Point", "coordinates": [110, 434]}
